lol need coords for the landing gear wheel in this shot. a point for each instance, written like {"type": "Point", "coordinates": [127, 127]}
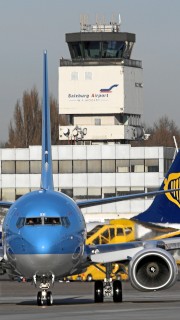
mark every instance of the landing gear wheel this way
{"type": "Point", "coordinates": [117, 291]}
{"type": "Point", "coordinates": [49, 298]}
{"type": "Point", "coordinates": [39, 299]}
{"type": "Point", "coordinates": [98, 291]}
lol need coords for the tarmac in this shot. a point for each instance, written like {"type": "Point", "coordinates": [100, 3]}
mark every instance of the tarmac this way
{"type": "Point", "coordinates": [74, 301]}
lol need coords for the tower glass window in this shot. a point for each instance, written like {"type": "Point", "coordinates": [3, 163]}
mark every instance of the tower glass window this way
{"type": "Point", "coordinates": [92, 49]}
{"type": "Point", "coordinates": [112, 49]}
{"type": "Point", "coordinates": [76, 50]}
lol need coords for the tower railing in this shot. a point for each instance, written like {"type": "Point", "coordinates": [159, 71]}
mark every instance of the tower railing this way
{"type": "Point", "coordinates": [103, 61]}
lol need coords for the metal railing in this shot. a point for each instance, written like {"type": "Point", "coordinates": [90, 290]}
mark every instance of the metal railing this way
{"type": "Point", "coordinates": [100, 61]}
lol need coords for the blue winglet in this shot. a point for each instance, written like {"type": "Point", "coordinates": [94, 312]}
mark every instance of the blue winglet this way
{"type": "Point", "coordinates": [46, 170]}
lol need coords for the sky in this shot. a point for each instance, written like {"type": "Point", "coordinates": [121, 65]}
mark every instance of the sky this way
{"type": "Point", "coordinates": [27, 27]}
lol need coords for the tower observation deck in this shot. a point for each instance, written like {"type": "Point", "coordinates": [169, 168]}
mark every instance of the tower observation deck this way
{"type": "Point", "coordinates": [100, 87]}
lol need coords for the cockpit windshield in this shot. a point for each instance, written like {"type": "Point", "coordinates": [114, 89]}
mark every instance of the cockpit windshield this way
{"type": "Point", "coordinates": [52, 220]}
{"type": "Point", "coordinates": [37, 221]}
{"type": "Point", "coordinates": [33, 221]}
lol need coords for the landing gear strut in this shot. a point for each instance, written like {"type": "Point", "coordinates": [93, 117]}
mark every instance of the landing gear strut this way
{"type": "Point", "coordinates": [108, 287]}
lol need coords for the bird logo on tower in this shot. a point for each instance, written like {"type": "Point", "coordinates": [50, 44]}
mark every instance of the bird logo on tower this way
{"type": "Point", "coordinates": [108, 90]}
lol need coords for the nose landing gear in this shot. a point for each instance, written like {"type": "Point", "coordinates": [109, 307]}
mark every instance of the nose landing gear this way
{"type": "Point", "coordinates": [44, 296]}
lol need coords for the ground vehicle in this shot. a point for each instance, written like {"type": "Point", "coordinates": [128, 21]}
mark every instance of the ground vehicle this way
{"type": "Point", "coordinates": [116, 231]}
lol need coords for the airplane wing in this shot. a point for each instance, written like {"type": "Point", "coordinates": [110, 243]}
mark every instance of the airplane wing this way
{"type": "Point", "coordinates": [106, 253]}
{"type": "Point", "coordinates": [95, 202]}
{"type": "Point", "coordinates": [6, 204]}
{"type": "Point", "coordinates": [109, 253]}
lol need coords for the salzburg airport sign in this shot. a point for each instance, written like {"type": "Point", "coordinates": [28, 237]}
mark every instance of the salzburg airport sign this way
{"type": "Point", "coordinates": [102, 95]}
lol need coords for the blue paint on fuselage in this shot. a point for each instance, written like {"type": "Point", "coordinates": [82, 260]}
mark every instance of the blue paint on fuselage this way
{"type": "Point", "coordinates": [44, 239]}
{"type": "Point", "coordinates": [44, 249]}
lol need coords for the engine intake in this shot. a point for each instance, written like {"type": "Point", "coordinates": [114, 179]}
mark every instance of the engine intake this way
{"type": "Point", "coordinates": [152, 269]}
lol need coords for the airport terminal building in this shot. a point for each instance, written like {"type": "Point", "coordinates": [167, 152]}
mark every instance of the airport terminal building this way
{"type": "Point", "coordinates": [89, 171]}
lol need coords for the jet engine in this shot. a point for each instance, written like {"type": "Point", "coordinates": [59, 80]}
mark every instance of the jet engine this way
{"type": "Point", "coordinates": [152, 269]}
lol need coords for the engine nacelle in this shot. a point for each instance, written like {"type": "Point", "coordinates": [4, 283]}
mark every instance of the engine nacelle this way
{"type": "Point", "coordinates": [152, 269]}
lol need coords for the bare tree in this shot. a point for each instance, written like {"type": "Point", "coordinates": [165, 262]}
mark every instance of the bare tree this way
{"type": "Point", "coordinates": [161, 133]}
{"type": "Point", "coordinates": [25, 128]}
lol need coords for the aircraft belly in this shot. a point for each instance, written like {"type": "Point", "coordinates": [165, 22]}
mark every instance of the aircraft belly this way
{"type": "Point", "coordinates": [30, 264]}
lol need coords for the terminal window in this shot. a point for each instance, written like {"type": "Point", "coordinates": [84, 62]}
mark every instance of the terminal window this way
{"type": "Point", "coordinates": [65, 166]}
{"type": "Point", "coordinates": [151, 165]}
{"type": "Point", "coordinates": [8, 166]}
{"type": "Point", "coordinates": [94, 166]}
{"type": "Point", "coordinates": [22, 166]}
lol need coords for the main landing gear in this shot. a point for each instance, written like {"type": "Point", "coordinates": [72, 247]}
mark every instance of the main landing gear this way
{"type": "Point", "coordinates": [44, 296]}
{"type": "Point", "coordinates": [108, 288]}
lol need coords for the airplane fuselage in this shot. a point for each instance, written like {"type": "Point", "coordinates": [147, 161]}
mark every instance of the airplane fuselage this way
{"type": "Point", "coordinates": [44, 234]}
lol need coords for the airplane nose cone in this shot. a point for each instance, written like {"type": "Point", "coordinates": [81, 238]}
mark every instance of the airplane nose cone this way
{"type": "Point", "coordinates": [42, 241]}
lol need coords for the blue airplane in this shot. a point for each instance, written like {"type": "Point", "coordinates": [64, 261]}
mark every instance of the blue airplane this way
{"type": "Point", "coordinates": [44, 233]}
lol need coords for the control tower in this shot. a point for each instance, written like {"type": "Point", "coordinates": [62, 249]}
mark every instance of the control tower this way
{"type": "Point", "coordinates": [101, 87]}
